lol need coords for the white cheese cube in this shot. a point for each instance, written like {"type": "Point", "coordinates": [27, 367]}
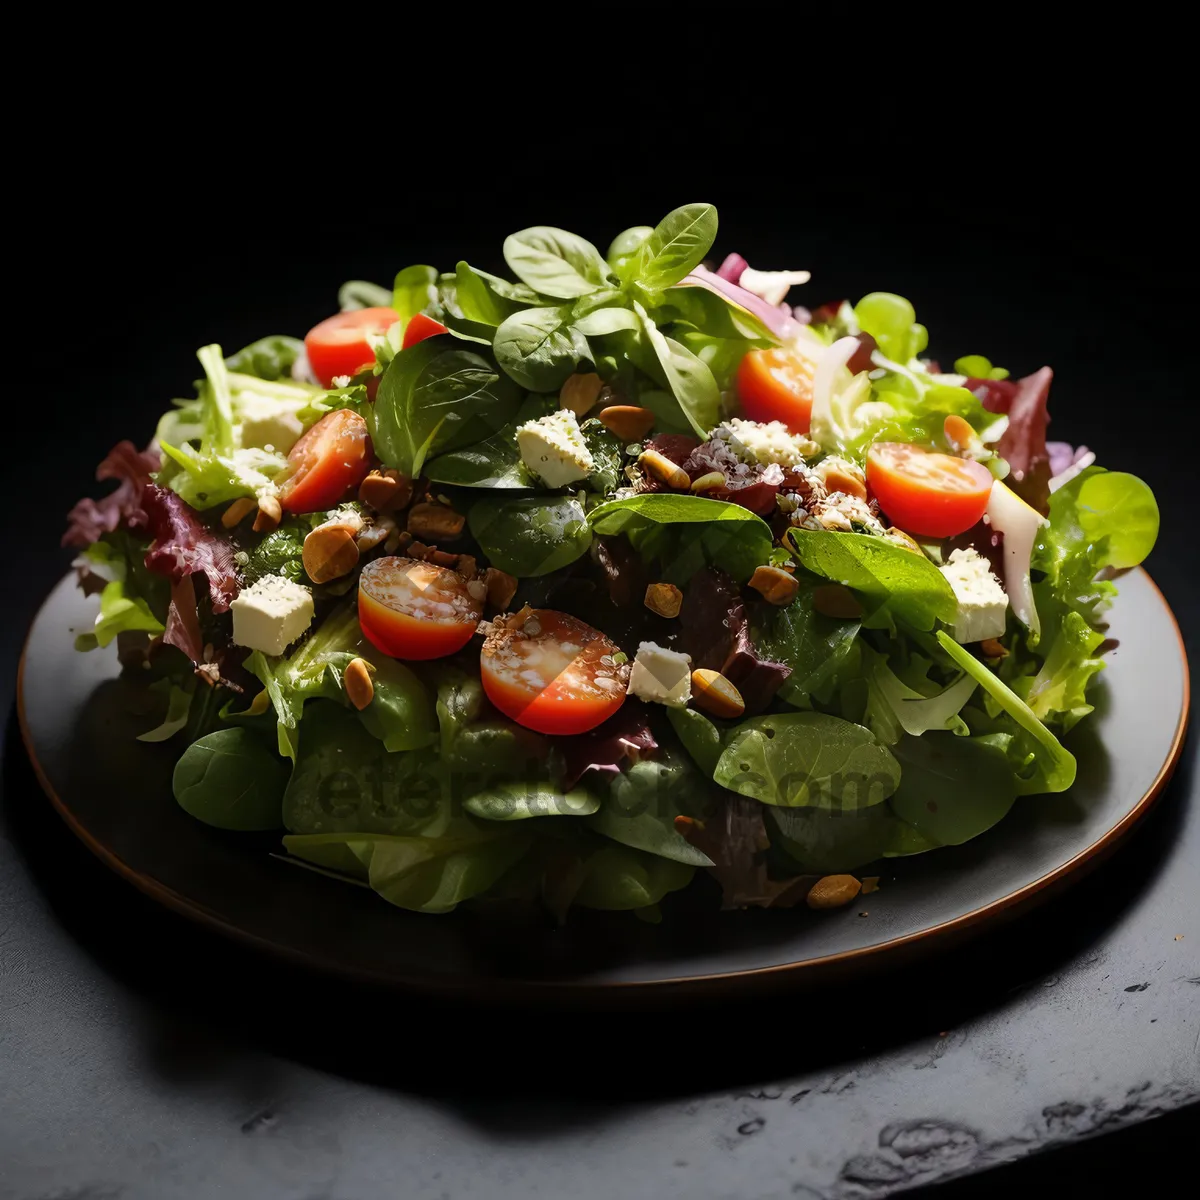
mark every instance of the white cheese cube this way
{"type": "Point", "coordinates": [271, 614]}
{"type": "Point", "coordinates": [661, 676]}
{"type": "Point", "coordinates": [554, 450]}
{"type": "Point", "coordinates": [266, 423]}
{"type": "Point", "coordinates": [982, 603]}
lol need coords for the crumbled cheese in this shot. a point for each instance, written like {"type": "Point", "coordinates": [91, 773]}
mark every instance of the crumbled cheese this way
{"type": "Point", "coordinates": [982, 604]}
{"type": "Point", "coordinates": [554, 450]}
{"type": "Point", "coordinates": [772, 286]}
{"type": "Point", "coordinates": [271, 614]}
{"type": "Point", "coordinates": [839, 512]}
{"type": "Point", "coordinates": [765, 443]}
{"type": "Point", "coordinates": [661, 676]}
{"type": "Point", "coordinates": [269, 425]}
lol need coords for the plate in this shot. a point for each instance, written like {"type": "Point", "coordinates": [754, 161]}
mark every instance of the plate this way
{"type": "Point", "coordinates": [79, 718]}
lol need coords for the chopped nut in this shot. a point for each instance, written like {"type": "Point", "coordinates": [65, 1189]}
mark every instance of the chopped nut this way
{"type": "Point", "coordinates": [958, 431]}
{"type": "Point", "coordinates": [580, 393]}
{"type": "Point", "coordinates": [442, 558]}
{"type": "Point", "coordinates": [385, 491]}
{"type": "Point", "coordinates": [270, 513]}
{"type": "Point", "coordinates": [329, 552]}
{"type": "Point", "coordinates": [836, 600]}
{"type": "Point", "coordinates": [776, 585]}
{"type": "Point", "coordinates": [501, 588]}
{"type": "Point", "coordinates": [903, 539]}
{"type": "Point", "coordinates": [378, 530]}
{"type": "Point", "coordinates": [838, 475]}
{"type": "Point", "coordinates": [709, 482]}
{"type": "Point", "coordinates": [357, 681]}
{"type": "Point", "coordinates": [659, 467]}
{"type": "Point", "coordinates": [627, 421]}
{"type": "Point", "coordinates": [833, 891]}
{"type": "Point", "coordinates": [418, 549]}
{"type": "Point", "coordinates": [436, 522]}
{"type": "Point", "coordinates": [715, 694]}
{"type": "Point", "coordinates": [664, 599]}
{"type": "Point", "coordinates": [238, 511]}
{"type": "Point", "coordinates": [992, 648]}
{"type": "Point", "coordinates": [870, 884]}
{"type": "Point", "coordinates": [466, 566]}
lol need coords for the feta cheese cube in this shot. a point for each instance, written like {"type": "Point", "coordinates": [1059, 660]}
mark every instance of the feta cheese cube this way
{"type": "Point", "coordinates": [661, 676]}
{"type": "Point", "coordinates": [766, 442]}
{"type": "Point", "coordinates": [554, 450]}
{"type": "Point", "coordinates": [982, 603]}
{"type": "Point", "coordinates": [271, 614]}
{"type": "Point", "coordinates": [268, 424]}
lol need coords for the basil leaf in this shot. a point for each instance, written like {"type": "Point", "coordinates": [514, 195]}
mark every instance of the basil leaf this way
{"type": "Point", "coordinates": [602, 321]}
{"type": "Point", "coordinates": [489, 299]}
{"type": "Point", "coordinates": [689, 379]}
{"type": "Point", "coordinates": [554, 262]}
{"type": "Point", "coordinates": [623, 252]}
{"type": "Point", "coordinates": [807, 760]}
{"type": "Point", "coordinates": [230, 779]}
{"type": "Point", "coordinates": [678, 245]}
{"type": "Point", "coordinates": [530, 535]}
{"type": "Point", "coordinates": [520, 801]}
{"type": "Point", "coordinates": [535, 347]}
{"type": "Point", "coordinates": [414, 291]}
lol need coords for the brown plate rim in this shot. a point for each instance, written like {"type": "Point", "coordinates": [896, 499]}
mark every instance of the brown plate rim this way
{"type": "Point", "coordinates": [880, 954]}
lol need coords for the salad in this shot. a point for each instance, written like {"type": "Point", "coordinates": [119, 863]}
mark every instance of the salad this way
{"type": "Point", "coordinates": [574, 587]}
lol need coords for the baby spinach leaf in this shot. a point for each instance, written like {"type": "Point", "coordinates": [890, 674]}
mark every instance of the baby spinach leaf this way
{"type": "Point", "coordinates": [887, 575]}
{"type": "Point", "coordinates": [688, 378]}
{"type": "Point", "coordinates": [826, 842]}
{"type": "Point", "coordinates": [530, 535]}
{"type": "Point", "coordinates": [493, 463]}
{"type": "Point", "coordinates": [489, 754]}
{"type": "Point", "coordinates": [952, 788]}
{"type": "Point", "coordinates": [414, 291]}
{"type": "Point", "coordinates": [603, 321]}
{"type": "Point", "coordinates": [676, 246]}
{"type": "Point", "coordinates": [358, 293]}
{"type": "Point", "coordinates": [894, 708]}
{"type": "Point", "coordinates": [620, 878]}
{"type": "Point", "coordinates": [436, 396]}
{"type": "Point", "coordinates": [700, 737]}
{"type": "Point", "coordinates": [813, 645]}
{"type": "Point", "coordinates": [231, 779]}
{"type": "Point", "coordinates": [608, 457]}
{"type": "Point", "coordinates": [802, 760]}
{"type": "Point", "coordinates": [622, 254]}
{"type": "Point", "coordinates": [269, 358]}
{"type": "Point", "coordinates": [537, 348]}
{"type": "Point", "coordinates": [554, 262]}
{"type": "Point", "coordinates": [687, 532]}
{"type": "Point", "coordinates": [519, 801]}
{"type": "Point", "coordinates": [488, 298]}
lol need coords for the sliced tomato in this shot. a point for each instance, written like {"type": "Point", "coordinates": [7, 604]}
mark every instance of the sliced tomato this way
{"type": "Point", "coordinates": [776, 385]}
{"type": "Point", "coordinates": [340, 345]}
{"type": "Point", "coordinates": [420, 328]}
{"type": "Point", "coordinates": [927, 493]}
{"type": "Point", "coordinates": [414, 610]}
{"type": "Point", "coordinates": [553, 674]}
{"type": "Point", "coordinates": [333, 457]}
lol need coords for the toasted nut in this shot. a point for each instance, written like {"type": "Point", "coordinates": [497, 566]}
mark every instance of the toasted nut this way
{"type": "Point", "coordinates": [835, 600]}
{"type": "Point", "coordinates": [385, 491]}
{"type": "Point", "coordinates": [238, 511]}
{"type": "Point", "coordinates": [958, 432]}
{"type": "Point", "coordinates": [418, 549]}
{"type": "Point", "coordinates": [870, 884]}
{"type": "Point", "coordinates": [501, 588]}
{"type": "Point", "coordinates": [709, 482]}
{"type": "Point", "coordinates": [466, 566]}
{"type": "Point", "coordinates": [664, 599]}
{"type": "Point", "coordinates": [776, 585]}
{"type": "Point", "coordinates": [627, 422]}
{"type": "Point", "coordinates": [356, 679]}
{"type": "Point", "coordinates": [435, 522]}
{"type": "Point", "coordinates": [833, 891]}
{"type": "Point", "coordinates": [841, 476]}
{"type": "Point", "coordinates": [270, 513]}
{"type": "Point", "coordinates": [477, 590]}
{"type": "Point", "coordinates": [329, 552]}
{"type": "Point", "coordinates": [716, 695]}
{"type": "Point", "coordinates": [659, 467]}
{"type": "Point", "coordinates": [376, 531]}
{"type": "Point", "coordinates": [580, 393]}
{"type": "Point", "coordinates": [442, 558]}
{"type": "Point", "coordinates": [992, 648]}
{"type": "Point", "coordinates": [903, 539]}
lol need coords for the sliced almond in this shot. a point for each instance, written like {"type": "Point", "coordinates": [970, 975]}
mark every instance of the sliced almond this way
{"type": "Point", "coordinates": [580, 393]}
{"type": "Point", "coordinates": [776, 585]}
{"type": "Point", "coordinates": [713, 693]}
{"type": "Point", "coordinates": [442, 558]}
{"type": "Point", "coordinates": [659, 467]}
{"type": "Point", "coordinates": [709, 482]}
{"type": "Point", "coordinates": [833, 891]}
{"type": "Point", "coordinates": [627, 421]}
{"type": "Point", "coordinates": [375, 532]}
{"type": "Point", "coordinates": [385, 491]}
{"type": "Point", "coordinates": [435, 522]}
{"type": "Point", "coordinates": [501, 588]}
{"type": "Point", "coordinates": [664, 599]}
{"type": "Point", "coordinates": [356, 679]}
{"type": "Point", "coordinates": [238, 511]}
{"type": "Point", "coordinates": [958, 431]}
{"type": "Point", "coordinates": [270, 513]}
{"type": "Point", "coordinates": [330, 552]}
{"type": "Point", "coordinates": [843, 477]}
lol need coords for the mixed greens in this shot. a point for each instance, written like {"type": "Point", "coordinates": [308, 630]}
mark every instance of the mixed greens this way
{"type": "Point", "coordinates": [561, 589]}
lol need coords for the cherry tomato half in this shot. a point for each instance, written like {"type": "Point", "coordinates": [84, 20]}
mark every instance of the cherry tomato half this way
{"type": "Point", "coordinates": [414, 610]}
{"type": "Point", "coordinates": [420, 328]}
{"type": "Point", "coordinates": [550, 674]}
{"type": "Point", "coordinates": [927, 493]}
{"type": "Point", "coordinates": [333, 457]}
{"type": "Point", "coordinates": [340, 345]}
{"type": "Point", "coordinates": [776, 385]}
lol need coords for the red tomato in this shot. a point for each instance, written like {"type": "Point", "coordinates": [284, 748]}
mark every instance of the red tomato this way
{"type": "Point", "coordinates": [923, 492]}
{"type": "Point", "coordinates": [414, 610]}
{"type": "Point", "coordinates": [333, 457]}
{"type": "Point", "coordinates": [339, 346]}
{"type": "Point", "coordinates": [420, 328]}
{"type": "Point", "coordinates": [549, 674]}
{"type": "Point", "coordinates": [776, 385]}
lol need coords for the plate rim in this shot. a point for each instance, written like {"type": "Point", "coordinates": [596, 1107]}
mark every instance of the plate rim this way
{"type": "Point", "coordinates": [894, 950]}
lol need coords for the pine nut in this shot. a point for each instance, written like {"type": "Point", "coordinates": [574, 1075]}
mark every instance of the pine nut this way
{"type": "Point", "coordinates": [712, 692]}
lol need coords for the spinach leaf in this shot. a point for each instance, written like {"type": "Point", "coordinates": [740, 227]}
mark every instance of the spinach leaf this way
{"type": "Point", "coordinates": [711, 314]}
{"type": "Point", "coordinates": [436, 396]}
{"type": "Point", "coordinates": [496, 461]}
{"type": "Point", "coordinates": [554, 262]}
{"type": "Point", "coordinates": [358, 293]}
{"type": "Point", "coordinates": [887, 575]}
{"type": "Point", "coordinates": [952, 788]}
{"type": "Point", "coordinates": [269, 358]}
{"type": "Point", "coordinates": [486, 755]}
{"type": "Point", "coordinates": [813, 645]}
{"type": "Point", "coordinates": [537, 348]}
{"type": "Point", "coordinates": [688, 378]}
{"type": "Point", "coordinates": [521, 800]}
{"type": "Point", "coordinates": [608, 457]}
{"type": "Point", "coordinates": [622, 254]}
{"type": "Point", "coordinates": [700, 737]}
{"type": "Point", "coordinates": [687, 532]}
{"type": "Point", "coordinates": [530, 535]}
{"type": "Point", "coordinates": [677, 245]}
{"type": "Point", "coordinates": [279, 553]}
{"type": "Point", "coordinates": [414, 291]}
{"type": "Point", "coordinates": [489, 299]}
{"type": "Point", "coordinates": [231, 779]}
{"type": "Point", "coordinates": [827, 842]}
{"type": "Point", "coordinates": [803, 760]}
{"type": "Point", "coordinates": [179, 704]}
{"type": "Point", "coordinates": [620, 878]}
{"type": "Point", "coordinates": [894, 708]}
{"type": "Point", "coordinates": [603, 321]}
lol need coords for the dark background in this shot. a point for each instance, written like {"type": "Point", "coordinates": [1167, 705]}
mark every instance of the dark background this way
{"type": "Point", "coordinates": [1031, 238]}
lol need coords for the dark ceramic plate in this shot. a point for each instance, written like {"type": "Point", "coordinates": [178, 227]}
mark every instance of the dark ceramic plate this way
{"type": "Point", "coordinates": [79, 720]}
